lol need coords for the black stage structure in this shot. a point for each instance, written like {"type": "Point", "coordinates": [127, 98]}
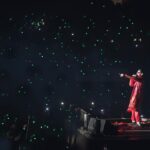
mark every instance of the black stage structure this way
{"type": "Point", "coordinates": [109, 134]}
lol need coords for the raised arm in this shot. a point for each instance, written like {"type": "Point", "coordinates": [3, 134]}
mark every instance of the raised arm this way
{"type": "Point", "coordinates": [126, 76]}
{"type": "Point", "coordinates": [131, 79]}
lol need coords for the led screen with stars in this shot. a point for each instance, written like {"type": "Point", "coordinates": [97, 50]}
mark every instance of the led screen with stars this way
{"type": "Point", "coordinates": [70, 54]}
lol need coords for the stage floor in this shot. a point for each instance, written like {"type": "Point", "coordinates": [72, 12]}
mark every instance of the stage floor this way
{"type": "Point", "coordinates": [113, 134]}
{"type": "Point", "coordinates": [123, 129]}
{"type": "Point", "coordinates": [131, 131]}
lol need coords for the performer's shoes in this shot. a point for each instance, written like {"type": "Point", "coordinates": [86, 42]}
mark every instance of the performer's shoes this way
{"type": "Point", "coordinates": [138, 124]}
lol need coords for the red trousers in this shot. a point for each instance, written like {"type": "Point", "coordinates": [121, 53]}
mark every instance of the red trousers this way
{"type": "Point", "coordinates": [135, 116]}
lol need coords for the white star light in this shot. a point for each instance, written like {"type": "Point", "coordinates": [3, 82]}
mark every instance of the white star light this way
{"type": "Point", "coordinates": [92, 103]}
{"type": "Point", "coordinates": [62, 103]}
{"type": "Point", "coordinates": [47, 108]}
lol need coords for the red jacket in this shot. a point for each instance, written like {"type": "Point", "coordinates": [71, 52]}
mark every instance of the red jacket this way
{"type": "Point", "coordinates": [136, 95]}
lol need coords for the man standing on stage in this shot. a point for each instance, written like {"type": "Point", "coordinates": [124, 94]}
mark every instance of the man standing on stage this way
{"type": "Point", "coordinates": [136, 82]}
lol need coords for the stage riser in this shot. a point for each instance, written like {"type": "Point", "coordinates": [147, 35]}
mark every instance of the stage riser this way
{"type": "Point", "coordinates": [101, 126]}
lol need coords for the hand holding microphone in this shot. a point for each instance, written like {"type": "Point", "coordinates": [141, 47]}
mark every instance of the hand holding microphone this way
{"type": "Point", "coordinates": [121, 75]}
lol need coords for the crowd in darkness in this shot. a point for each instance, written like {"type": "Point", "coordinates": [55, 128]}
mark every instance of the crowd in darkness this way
{"type": "Point", "coordinates": [35, 133]}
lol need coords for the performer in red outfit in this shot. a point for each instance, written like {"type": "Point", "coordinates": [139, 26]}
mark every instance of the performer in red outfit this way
{"type": "Point", "coordinates": [136, 82]}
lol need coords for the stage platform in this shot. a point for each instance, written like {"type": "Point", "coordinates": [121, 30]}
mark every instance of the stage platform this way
{"type": "Point", "coordinates": [113, 134]}
{"type": "Point", "coordinates": [132, 131]}
{"type": "Point", "coordinates": [117, 129]}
